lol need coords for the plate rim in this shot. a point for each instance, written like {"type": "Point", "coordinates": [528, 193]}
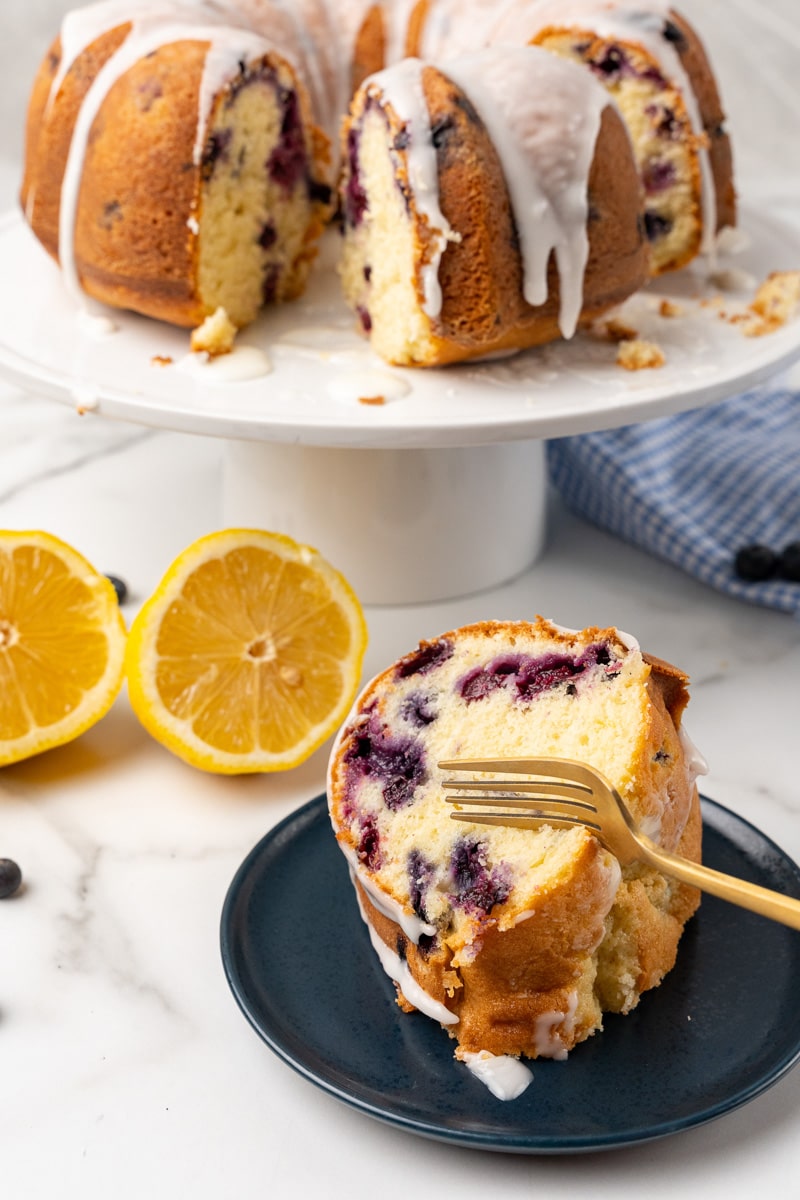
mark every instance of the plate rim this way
{"type": "Point", "coordinates": [718, 817]}
{"type": "Point", "coordinates": [383, 426]}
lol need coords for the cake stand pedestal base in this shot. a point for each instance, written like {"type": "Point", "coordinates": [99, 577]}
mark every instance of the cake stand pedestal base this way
{"type": "Point", "coordinates": [404, 526]}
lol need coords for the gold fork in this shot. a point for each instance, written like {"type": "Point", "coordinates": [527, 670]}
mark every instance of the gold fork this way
{"type": "Point", "coordinates": [566, 794]}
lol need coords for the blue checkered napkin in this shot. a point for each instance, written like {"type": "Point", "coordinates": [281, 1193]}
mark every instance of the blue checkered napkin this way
{"type": "Point", "coordinates": [695, 488]}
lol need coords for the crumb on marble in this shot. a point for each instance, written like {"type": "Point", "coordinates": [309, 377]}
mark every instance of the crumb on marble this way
{"type": "Point", "coordinates": [668, 308]}
{"type": "Point", "coordinates": [639, 355]}
{"type": "Point", "coordinates": [215, 336]}
{"type": "Point", "coordinates": [161, 360]}
{"type": "Point", "coordinates": [371, 399]}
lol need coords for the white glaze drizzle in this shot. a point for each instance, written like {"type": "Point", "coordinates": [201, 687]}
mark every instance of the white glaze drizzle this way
{"type": "Point", "coordinates": [357, 384]}
{"type": "Point", "coordinates": [505, 1077]}
{"type": "Point", "coordinates": [553, 1028]}
{"type": "Point", "coordinates": [635, 21]}
{"type": "Point", "coordinates": [396, 17]}
{"type": "Point", "coordinates": [240, 365]}
{"type": "Point", "coordinates": [96, 325]}
{"type": "Point", "coordinates": [399, 971]}
{"type": "Point", "coordinates": [693, 759]}
{"type": "Point", "coordinates": [409, 922]}
{"type": "Point", "coordinates": [401, 88]}
{"type": "Point", "coordinates": [545, 137]}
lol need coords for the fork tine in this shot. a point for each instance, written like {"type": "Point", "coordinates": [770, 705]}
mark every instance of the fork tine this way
{"type": "Point", "coordinates": [561, 768]}
{"type": "Point", "coordinates": [524, 820]}
{"type": "Point", "coordinates": [485, 798]}
{"type": "Point", "coordinates": [500, 787]}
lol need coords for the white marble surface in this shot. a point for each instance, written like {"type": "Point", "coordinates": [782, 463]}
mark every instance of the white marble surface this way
{"type": "Point", "coordinates": [127, 1068]}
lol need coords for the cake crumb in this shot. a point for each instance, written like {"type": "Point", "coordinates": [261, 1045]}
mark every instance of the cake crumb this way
{"type": "Point", "coordinates": [775, 302]}
{"type": "Point", "coordinates": [614, 330]}
{"type": "Point", "coordinates": [371, 399]}
{"type": "Point", "coordinates": [637, 355]}
{"type": "Point", "coordinates": [215, 336]}
{"type": "Point", "coordinates": [668, 308]}
{"type": "Point", "coordinates": [161, 360]}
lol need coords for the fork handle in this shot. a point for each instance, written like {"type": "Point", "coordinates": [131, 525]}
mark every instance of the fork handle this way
{"type": "Point", "coordinates": [738, 891]}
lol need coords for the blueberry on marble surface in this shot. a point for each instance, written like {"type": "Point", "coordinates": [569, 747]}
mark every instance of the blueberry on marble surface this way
{"type": "Point", "coordinates": [10, 878]}
{"type": "Point", "coordinates": [119, 586]}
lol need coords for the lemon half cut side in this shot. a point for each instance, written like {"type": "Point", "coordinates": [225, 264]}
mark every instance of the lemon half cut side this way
{"type": "Point", "coordinates": [62, 644]}
{"type": "Point", "coordinates": [248, 654]}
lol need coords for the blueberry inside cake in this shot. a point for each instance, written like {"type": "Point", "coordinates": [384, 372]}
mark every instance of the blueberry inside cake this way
{"type": "Point", "coordinates": [516, 940]}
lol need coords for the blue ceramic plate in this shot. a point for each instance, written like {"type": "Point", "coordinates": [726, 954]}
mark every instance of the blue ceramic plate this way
{"type": "Point", "coordinates": [711, 1038]}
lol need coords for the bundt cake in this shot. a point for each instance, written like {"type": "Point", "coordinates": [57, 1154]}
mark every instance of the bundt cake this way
{"type": "Point", "coordinates": [517, 941]}
{"type": "Point", "coordinates": [181, 157]}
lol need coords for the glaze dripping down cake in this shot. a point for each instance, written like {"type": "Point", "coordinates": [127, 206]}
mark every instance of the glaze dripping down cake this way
{"type": "Point", "coordinates": [517, 941]}
{"type": "Point", "coordinates": [183, 157]}
{"type": "Point", "coordinates": [488, 206]}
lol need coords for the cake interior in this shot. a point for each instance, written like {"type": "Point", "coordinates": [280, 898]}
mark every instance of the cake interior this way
{"type": "Point", "coordinates": [256, 196]}
{"type": "Point", "coordinates": [380, 250]}
{"type": "Point", "coordinates": [576, 702]}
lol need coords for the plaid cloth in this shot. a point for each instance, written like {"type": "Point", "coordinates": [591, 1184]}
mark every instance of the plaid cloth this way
{"type": "Point", "coordinates": [695, 488]}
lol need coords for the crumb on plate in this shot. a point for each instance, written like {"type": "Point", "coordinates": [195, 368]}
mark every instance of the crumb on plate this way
{"type": "Point", "coordinates": [639, 355]}
{"type": "Point", "coordinates": [614, 330]}
{"type": "Point", "coordinates": [774, 303]}
{"type": "Point", "coordinates": [215, 336]}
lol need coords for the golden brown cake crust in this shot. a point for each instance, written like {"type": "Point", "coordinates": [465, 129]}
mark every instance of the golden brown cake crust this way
{"type": "Point", "coordinates": [47, 140]}
{"type": "Point", "coordinates": [121, 211]}
{"type": "Point", "coordinates": [695, 62]}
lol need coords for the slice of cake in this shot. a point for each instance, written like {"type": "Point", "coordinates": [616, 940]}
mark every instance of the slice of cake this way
{"type": "Point", "coordinates": [516, 940]}
{"type": "Point", "coordinates": [655, 67]}
{"type": "Point", "coordinates": [489, 205]}
{"type": "Point", "coordinates": [174, 168]}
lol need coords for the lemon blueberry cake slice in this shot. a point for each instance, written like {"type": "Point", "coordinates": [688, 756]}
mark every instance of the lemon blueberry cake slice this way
{"type": "Point", "coordinates": [516, 940]}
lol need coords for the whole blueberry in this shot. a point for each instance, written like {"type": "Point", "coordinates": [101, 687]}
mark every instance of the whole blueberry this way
{"type": "Point", "coordinates": [755, 563]}
{"type": "Point", "coordinates": [10, 877]}
{"type": "Point", "coordinates": [120, 587]}
{"type": "Point", "coordinates": [789, 564]}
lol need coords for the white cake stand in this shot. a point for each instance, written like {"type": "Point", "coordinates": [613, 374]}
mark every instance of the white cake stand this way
{"type": "Point", "coordinates": [440, 489]}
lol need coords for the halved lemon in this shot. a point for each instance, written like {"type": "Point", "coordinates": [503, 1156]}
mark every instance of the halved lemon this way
{"type": "Point", "coordinates": [62, 644]}
{"type": "Point", "coordinates": [248, 654]}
